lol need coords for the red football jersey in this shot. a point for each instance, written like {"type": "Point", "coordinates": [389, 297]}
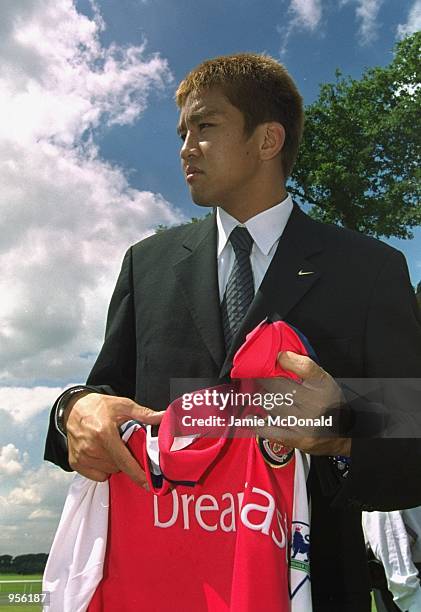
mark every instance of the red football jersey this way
{"type": "Point", "coordinates": [214, 534]}
{"type": "Point", "coordinates": [222, 544]}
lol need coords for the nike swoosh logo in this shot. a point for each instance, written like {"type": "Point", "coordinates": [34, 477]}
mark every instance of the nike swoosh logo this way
{"type": "Point", "coordinates": [302, 273]}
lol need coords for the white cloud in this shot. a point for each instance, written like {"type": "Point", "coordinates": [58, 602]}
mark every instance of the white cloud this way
{"type": "Point", "coordinates": [31, 510]}
{"type": "Point", "coordinates": [41, 513]}
{"type": "Point", "coordinates": [303, 15]}
{"type": "Point", "coordinates": [45, 487]}
{"type": "Point", "coordinates": [66, 218]}
{"type": "Point", "coordinates": [413, 22]}
{"type": "Point", "coordinates": [306, 13]}
{"type": "Point", "coordinates": [367, 13]}
{"type": "Point", "coordinates": [24, 496]}
{"type": "Point", "coordinates": [66, 215]}
{"type": "Point", "coordinates": [10, 460]}
{"type": "Point", "coordinates": [23, 403]}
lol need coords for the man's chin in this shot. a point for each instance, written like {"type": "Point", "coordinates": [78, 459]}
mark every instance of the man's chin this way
{"type": "Point", "coordinates": [201, 200]}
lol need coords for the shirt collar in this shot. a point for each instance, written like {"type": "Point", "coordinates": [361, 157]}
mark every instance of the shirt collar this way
{"type": "Point", "coordinates": [265, 228]}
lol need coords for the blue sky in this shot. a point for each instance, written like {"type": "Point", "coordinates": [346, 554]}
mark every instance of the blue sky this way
{"type": "Point", "coordinates": [187, 32]}
{"type": "Point", "coordinates": [89, 165]}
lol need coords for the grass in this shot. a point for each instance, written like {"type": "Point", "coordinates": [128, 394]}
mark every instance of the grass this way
{"type": "Point", "coordinates": [24, 587]}
{"type": "Point", "coordinates": [17, 586]}
{"type": "Point", "coordinates": [373, 605]}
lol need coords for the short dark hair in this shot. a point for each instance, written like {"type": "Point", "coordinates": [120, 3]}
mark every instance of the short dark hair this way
{"type": "Point", "coordinates": [260, 87]}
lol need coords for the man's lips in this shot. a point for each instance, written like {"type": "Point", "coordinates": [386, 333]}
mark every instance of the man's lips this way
{"type": "Point", "coordinates": [191, 172]}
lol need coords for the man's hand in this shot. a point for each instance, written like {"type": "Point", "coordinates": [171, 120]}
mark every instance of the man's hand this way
{"type": "Point", "coordinates": [95, 447]}
{"type": "Point", "coordinates": [317, 395]}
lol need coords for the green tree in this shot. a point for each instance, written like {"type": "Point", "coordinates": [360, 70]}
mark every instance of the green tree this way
{"type": "Point", "coordinates": [359, 163]}
{"type": "Point", "coordinates": [162, 228]}
{"type": "Point", "coordinates": [29, 564]}
{"type": "Point", "coordinates": [5, 563]}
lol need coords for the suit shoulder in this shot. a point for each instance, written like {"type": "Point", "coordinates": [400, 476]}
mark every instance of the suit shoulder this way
{"type": "Point", "coordinates": [168, 245]}
{"type": "Point", "coordinates": [350, 241]}
{"type": "Point", "coordinates": [168, 238]}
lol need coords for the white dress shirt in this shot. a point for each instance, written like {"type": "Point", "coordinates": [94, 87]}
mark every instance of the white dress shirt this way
{"type": "Point", "coordinates": [266, 228]}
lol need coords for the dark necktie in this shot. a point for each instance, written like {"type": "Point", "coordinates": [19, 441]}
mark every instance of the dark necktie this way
{"type": "Point", "coordinates": [239, 291]}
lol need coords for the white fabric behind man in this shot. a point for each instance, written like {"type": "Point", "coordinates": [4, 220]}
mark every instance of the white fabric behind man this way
{"type": "Point", "coordinates": [395, 539]}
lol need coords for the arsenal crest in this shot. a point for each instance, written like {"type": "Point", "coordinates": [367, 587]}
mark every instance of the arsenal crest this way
{"type": "Point", "coordinates": [274, 452]}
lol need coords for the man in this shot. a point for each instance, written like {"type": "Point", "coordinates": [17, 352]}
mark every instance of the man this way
{"type": "Point", "coordinates": [241, 120]}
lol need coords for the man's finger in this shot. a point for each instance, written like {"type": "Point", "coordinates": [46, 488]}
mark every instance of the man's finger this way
{"type": "Point", "coordinates": [89, 456]}
{"type": "Point", "coordinates": [301, 365]}
{"type": "Point", "coordinates": [123, 459]}
{"type": "Point", "coordinates": [99, 464]}
{"type": "Point", "coordinates": [90, 473]}
{"type": "Point", "coordinates": [139, 413]}
{"type": "Point", "coordinates": [83, 463]}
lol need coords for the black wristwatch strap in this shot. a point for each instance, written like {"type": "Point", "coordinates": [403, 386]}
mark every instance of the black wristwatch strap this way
{"type": "Point", "coordinates": [62, 402]}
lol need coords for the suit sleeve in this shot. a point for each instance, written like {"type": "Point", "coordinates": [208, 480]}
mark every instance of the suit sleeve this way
{"type": "Point", "coordinates": [386, 472]}
{"type": "Point", "coordinates": [114, 372]}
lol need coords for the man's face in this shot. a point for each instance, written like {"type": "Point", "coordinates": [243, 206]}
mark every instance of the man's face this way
{"type": "Point", "coordinates": [219, 162]}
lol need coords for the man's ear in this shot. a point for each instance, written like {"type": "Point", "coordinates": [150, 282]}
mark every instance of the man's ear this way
{"type": "Point", "coordinates": [273, 139]}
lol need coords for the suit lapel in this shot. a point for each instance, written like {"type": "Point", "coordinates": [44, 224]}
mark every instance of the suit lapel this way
{"type": "Point", "coordinates": [286, 282]}
{"type": "Point", "coordinates": [196, 272]}
{"type": "Point", "coordinates": [290, 275]}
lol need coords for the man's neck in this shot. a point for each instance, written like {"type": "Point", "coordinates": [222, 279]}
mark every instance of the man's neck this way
{"type": "Point", "coordinates": [245, 211]}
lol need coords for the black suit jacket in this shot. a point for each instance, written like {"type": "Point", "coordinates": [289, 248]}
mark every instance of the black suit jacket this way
{"type": "Point", "coordinates": [357, 309]}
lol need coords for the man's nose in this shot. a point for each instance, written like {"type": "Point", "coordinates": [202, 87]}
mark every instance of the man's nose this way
{"type": "Point", "coordinates": [190, 147]}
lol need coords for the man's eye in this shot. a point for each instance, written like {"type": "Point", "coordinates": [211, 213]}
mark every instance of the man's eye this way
{"type": "Point", "coordinates": [201, 127]}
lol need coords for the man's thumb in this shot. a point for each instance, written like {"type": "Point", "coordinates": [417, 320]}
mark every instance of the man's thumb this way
{"type": "Point", "coordinates": [295, 363]}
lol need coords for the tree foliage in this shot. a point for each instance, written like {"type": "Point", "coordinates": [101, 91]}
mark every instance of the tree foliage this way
{"type": "Point", "coordinates": [162, 228]}
{"type": "Point", "coordinates": [23, 564]}
{"type": "Point", "coordinates": [359, 163]}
